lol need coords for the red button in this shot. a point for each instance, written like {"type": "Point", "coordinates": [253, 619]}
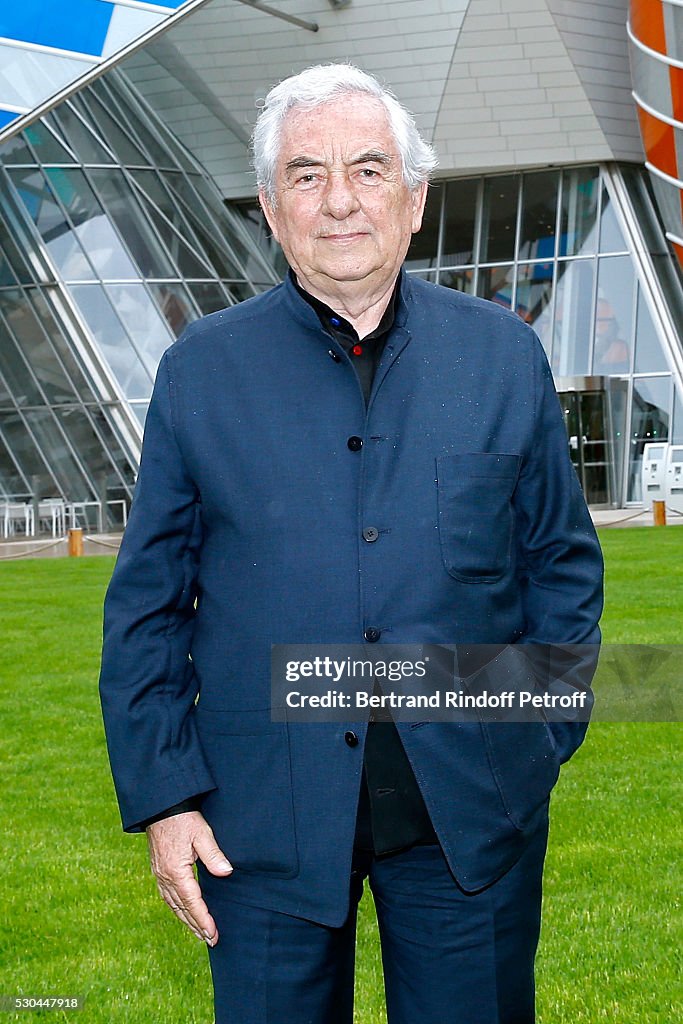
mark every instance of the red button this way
{"type": "Point", "coordinates": [357, 350]}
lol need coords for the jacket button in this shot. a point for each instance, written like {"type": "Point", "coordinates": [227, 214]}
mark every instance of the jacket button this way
{"type": "Point", "coordinates": [351, 739]}
{"type": "Point", "coordinates": [372, 635]}
{"type": "Point", "coordinates": [370, 534]}
{"type": "Point", "coordinates": [354, 443]}
{"type": "Point", "coordinates": [334, 355]}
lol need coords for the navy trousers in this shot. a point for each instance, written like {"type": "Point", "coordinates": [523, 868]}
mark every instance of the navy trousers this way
{"type": "Point", "coordinates": [448, 957]}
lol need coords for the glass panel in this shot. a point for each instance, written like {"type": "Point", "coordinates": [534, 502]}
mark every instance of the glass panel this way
{"type": "Point", "coordinates": [539, 215]}
{"type": "Point", "coordinates": [650, 417]}
{"type": "Point", "coordinates": [499, 218]}
{"type": "Point", "coordinates": [95, 232]}
{"type": "Point", "coordinates": [462, 280]}
{"type": "Point", "coordinates": [239, 290]}
{"type": "Point", "coordinates": [6, 275]}
{"type": "Point", "coordinates": [611, 238]}
{"type": "Point", "coordinates": [206, 230]}
{"type": "Point", "coordinates": [677, 432]}
{"type": "Point", "coordinates": [112, 340]}
{"type": "Point", "coordinates": [27, 78]}
{"type": "Point", "coordinates": [579, 211]}
{"type": "Point", "coordinates": [533, 301]}
{"type": "Point", "coordinates": [49, 150]}
{"type": "Point", "coordinates": [637, 182]}
{"type": "Point", "coordinates": [649, 354]}
{"type": "Point", "coordinates": [140, 410]}
{"type": "Point", "coordinates": [36, 348]}
{"type": "Point", "coordinates": [216, 215]}
{"type": "Point", "coordinates": [209, 297]}
{"type": "Point", "coordinates": [176, 306]}
{"type": "Point", "coordinates": [425, 244]}
{"type": "Point", "coordinates": [495, 283]}
{"type": "Point", "coordinates": [116, 99]}
{"type": "Point", "coordinates": [459, 223]}
{"type": "Point", "coordinates": [107, 128]}
{"type": "Point", "coordinates": [22, 446]}
{"type": "Point", "coordinates": [84, 440]}
{"type": "Point", "coordinates": [5, 394]}
{"type": "Point", "coordinates": [573, 319]}
{"type": "Point", "coordinates": [12, 254]}
{"type": "Point", "coordinates": [184, 258]}
{"type": "Point", "coordinates": [72, 483]}
{"type": "Point", "coordinates": [17, 375]}
{"type": "Point", "coordinates": [50, 324]}
{"type": "Point", "coordinates": [125, 471]}
{"type": "Point", "coordinates": [153, 190]}
{"type": "Point", "coordinates": [60, 239]}
{"type": "Point", "coordinates": [133, 225]}
{"type": "Point", "coordinates": [143, 322]}
{"type": "Point", "coordinates": [12, 484]}
{"type": "Point", "coordinates": [15, 151]}
{"type": "Point", "coordinates": [618, 401]}
{"type": "Point", "coordinates": [88, 148]}
{"type": "Point", "coordinates": [614, 316]}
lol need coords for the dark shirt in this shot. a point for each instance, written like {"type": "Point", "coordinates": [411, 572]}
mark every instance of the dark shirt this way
{"type": "Point", "coordinates": [391, 812]}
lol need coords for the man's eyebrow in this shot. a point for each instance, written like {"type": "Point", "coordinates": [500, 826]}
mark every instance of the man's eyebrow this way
{"type": "Point", "coordinates": [302, 161]}
{"type": "Point", "coordinates": [375, 156]}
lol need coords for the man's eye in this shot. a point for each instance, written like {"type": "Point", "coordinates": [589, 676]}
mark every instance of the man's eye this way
{"type": "Point", "coordinates": [369, 172]}
{"type": "Point", "coordinates": [307, 179]}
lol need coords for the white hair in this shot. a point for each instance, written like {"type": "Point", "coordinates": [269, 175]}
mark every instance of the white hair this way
{"type": "Point", "coordinates": [318, 85]}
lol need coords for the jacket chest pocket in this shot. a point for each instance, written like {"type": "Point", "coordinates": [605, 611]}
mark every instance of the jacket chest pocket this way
{"type": "Point", "coordinates": [475, 514]}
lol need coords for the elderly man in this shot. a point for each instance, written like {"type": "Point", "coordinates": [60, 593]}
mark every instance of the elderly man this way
{"type": "Point", "coordinates": [360, 457]}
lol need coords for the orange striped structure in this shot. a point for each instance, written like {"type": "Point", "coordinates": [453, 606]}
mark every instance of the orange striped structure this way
{"type": "Point", "coordinates": [655, 31]}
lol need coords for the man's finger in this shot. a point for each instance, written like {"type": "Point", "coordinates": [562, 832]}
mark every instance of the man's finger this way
{"type": "Point", "coordinates": [210, 853]}
{"type": "Point", "coordinates": [191, 909]}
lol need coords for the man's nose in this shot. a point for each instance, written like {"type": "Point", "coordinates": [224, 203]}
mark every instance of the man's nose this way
{"type": "Point", "coordinates": [340, 198]}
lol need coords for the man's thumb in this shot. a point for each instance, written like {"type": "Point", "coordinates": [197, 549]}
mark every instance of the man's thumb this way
{"type": "Point", "coordinates": [211, 855]}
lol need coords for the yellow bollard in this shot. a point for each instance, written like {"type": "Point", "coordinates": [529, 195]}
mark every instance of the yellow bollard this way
{"type": "Point", "coordinates": [659, 513]}
{"type": "Point", "coordinates": [76, 542]}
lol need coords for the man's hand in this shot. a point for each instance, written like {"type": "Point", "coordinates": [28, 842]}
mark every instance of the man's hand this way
{"type": "Point", "coordinates": [175, 843]}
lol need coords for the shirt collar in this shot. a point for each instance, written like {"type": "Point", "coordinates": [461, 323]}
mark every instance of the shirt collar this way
{"type": "Point", "coordinates": [335, 323]}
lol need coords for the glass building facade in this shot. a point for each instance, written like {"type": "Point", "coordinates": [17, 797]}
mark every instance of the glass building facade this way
{"type": "Point", "coordinates": [579, 254]}
{"type": "Point", "coordinates": [111, 240]}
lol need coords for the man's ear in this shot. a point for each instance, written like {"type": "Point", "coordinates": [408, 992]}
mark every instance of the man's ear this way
{"type": "Point", "coordinates": [419, 198]}
{"type": "Point", "coordinates": [268, 213]}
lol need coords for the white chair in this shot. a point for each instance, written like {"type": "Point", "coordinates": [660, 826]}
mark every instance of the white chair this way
{"type": "Point", "coordinates": [17, 515]}
{"type": "Point", "coordinates": [52, 514]}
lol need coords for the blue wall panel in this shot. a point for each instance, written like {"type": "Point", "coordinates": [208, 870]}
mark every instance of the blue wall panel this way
{"type": "Point", "coordinates": [79, 25]}
{"type": "Point", "coordinates": [6, 116]}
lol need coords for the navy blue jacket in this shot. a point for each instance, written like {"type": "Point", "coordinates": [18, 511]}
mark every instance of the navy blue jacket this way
{"type": "Point", "coordinates": [246, 530]}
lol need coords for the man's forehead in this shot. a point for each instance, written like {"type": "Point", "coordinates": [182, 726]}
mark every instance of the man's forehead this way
{"type": "Point", "coordinates": [354, 122]}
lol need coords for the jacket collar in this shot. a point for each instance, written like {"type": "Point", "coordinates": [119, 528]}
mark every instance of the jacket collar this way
{"type": "Point", "coordinates": [305, 314]}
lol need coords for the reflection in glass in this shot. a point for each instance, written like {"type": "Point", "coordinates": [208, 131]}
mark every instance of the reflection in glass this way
{"type": "Point", "coordinates": [112, 340]}
{"type": "Point", "coordinates": [124, 209]}
{"type": "Point", "coordinates": [18, 377]}
{"type": "Point", "coordinates": [143, 322]}
{"type": "Point", "coordinates": [15, 151]}
{"type": "Point", "coordinates": [533, 302]}
{"type": "Point", "coordinates": [83, 439]}
{"type": "Point", "coordinates": [209, 297]}
{"type": "Point", "coordinates": [573, 319]}
{"type": "Point", "coordinates": [22, 446]}
{"type": "Point", "coordinates": [108, 129]}
{"type": "Point", "coordinates": [36, 348]}
{"type": "Point", "coordinates": [539, 216]}
{"type": "Point", "coordinates": [462, 280]}
{"type": "Point", "coordinates": [12, 483]}
{"type": "Point", "coordinates": [58, 235]}
{"type": "Point", "coordinates": [175, 304]}
{"type": "Point", "coordinates": [677, 428]}
{"type": "Point", "coordinates": [94, 230]}
{"type": "Point", "coordinates": [51, 441]}
{"type": "Point", "coordinates": [459, 222]}
{"type": "Point", "coordinates": [650, 418]}
{"type": "Point", "coordinates": [210, 239]}
{"type": "Point", "coordinates": [495, 283]}
{"type": "Point", "coordinates": [50, 325]}
{"type": "Point", "coordinates": [579, 210]}
{"type": "Point", "coordinates": [613, 316]}
{"type": "Point", "coordinates": [649, 354]}
{"type": "Point", "coordinates": [499, 218]}
{"type": "Point", "coordinates": [48, 149]}
{"type": "Point", "coordinates": [27, 78]}
{"type": "Point", "coordinates": [611, 238]}
{"type": "Point", "coordinates": [90, 150]}
{"type": "Point", "coordinates": [424, 246]}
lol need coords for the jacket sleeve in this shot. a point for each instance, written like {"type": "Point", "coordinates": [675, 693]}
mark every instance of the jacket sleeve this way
{"type": "Point", "coordinates": [559, 560]}
{"type": "Point", "coordinates": [147, 684]}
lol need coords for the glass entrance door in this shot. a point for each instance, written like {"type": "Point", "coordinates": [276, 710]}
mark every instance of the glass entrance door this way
{"type": "Point", "coordinates": [587, 422]}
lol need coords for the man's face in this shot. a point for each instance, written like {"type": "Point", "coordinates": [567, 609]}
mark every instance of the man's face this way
{"type": "Point", "coordinates": [342, 211]}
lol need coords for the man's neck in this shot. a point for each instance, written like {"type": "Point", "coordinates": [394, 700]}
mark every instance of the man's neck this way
{"type": "Point", "coordinates": [363, 312]}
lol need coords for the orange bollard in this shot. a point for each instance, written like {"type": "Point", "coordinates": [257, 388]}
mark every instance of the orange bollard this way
{"type": "Point", "coordinates": [76, 542]}
{"type": "Point", "coordinates": [659, 513]}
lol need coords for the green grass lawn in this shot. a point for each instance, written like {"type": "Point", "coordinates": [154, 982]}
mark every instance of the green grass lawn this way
{"type": "Point", "coordinates": [79, 911]}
